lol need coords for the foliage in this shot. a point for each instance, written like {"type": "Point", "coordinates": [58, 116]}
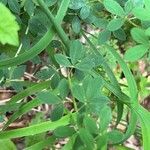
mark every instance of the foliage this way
{"type": "Point", "coordinates": [8, 27]}
{"type": "Point", "coordinates": [74, 71]}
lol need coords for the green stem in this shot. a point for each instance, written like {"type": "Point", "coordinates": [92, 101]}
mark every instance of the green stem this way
{"type": "Point", "coordinates": [73, 99]}
{"type": "Point", "coordinates": [56, 25]}
{"type": "Point", "coordinates": [131, 22]}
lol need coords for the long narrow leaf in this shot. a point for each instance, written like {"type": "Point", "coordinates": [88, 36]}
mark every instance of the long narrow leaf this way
{"type": "Point", "coordinates": [142, 114]}
{"type": "Point", "coordinates": [130, 79]}
{"type": "Point", "coordinates": [55, 23]}
{"type": "Point", "coordinates": [110, 75]}
{"type": "Point", "coordinates": [42, 144]}
{"type": "Point", "coordinates": [144, 117]}
{"type": "Point", "coordinates": [22, 110]}
{"type": "Point", "coordinates": [29, 91]}
{"type": "Point", "coordinates": [36, 129]}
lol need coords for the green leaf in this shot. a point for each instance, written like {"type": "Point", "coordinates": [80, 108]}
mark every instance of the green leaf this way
{"type": "Point", "coordinates": [130, 129]}
{"type": "Point", "coordinates": [120, 147]}
{"type": "Point", "coordinates": [57, 112]}
{"type": "Point", "coordinates": [147, 4]}
{"type": "Point", "coordinates": [42, 144]}
{"type": "Point", "coordinates": [100, 23]}
{"type": "Point", "coordinates": [113, 7]}
{"type": "Point", "coordinates": [14, 6]}
{"type": "Point", "coordinates": [139, 36]}
{"type": "Point", "coordinates": [97, 104]}
{"type": "Point", "coordinates": [90, 125]}
{"type": "Point", "coordinates": [76, 4]}
{"type": "Point", "coordinates": [86, 138]}
{"type": "Point", "coordinates": [131, 82]}
{"type": "Point", "coordinates": [22, 110]}
{"type": "Point", "coordinates": [76, 26]}
{"type": "Point", "coordinates": [50, 2]}
{"type": "Point", "coordinates": [120, 110]}
{"type": "Point", "coordinates": [29, 7]}
{"type": "Point", "coordinates": [102, 142]}
{"type": "Point", "coordinates": [64, 131]}
{"type": "Point", "coordinates": [84, 12]}
{"type": "Point", "coordinates": [104, 36]}
{"type": "Point", "coordinates": [114, 136]}
{"type": "Point", "coordinates": [86, 64]}
{"type": "Point", "coordinates": [3, 1]}
{"type": "Point", "coordinates": [133, 92]}
{"type": "Point", "coordinates": [70, 143]}
{"type": "Point", "coordinates": [45, 73]}
{"type": "Point", "coordinates": [18, 72]}
{"type": "Point", "coordinates": [7, 145]}
{"type": "Point", "coordinates": [48, 97]}
{"type": "Point", "coordinates": [115, 24]}
{"type": "Point", "coordinates": [136, 52]}
{"type": "Point", "coordinates": [8, 27]}
{"type": "Point", "coordinates": [128, 6]}
{"type": "Point", "coordinates": [78, 92]}
{"type": "Point", "coordinates": [120, 34]}
{"type": "Point", "coordinates": [37, 128]}
{"type": "Point", "coordinates": [104, 121]}
{"type": "Point", "coordinates": [63, 88]}
{"type": "Point", "coordinates": [10, 107]}
{"type": "Point", "coordinates": [144, 117]}
{"type": "Point", "coordinates": [62, 60]}
{"type": "Point", "coordinates": [95, 83]}
{"type": "Point", "coordinates": [95, 59]}
{"type": "Point", "coordinates": [40, 45]}
{"type": "Point", "coordinates": [147, 32]}
{"type": "Point", "coordinates": [76, 51]}
{"type": "Point", "coordinates": [29, 91]}
{"type": "Point", "coordinates": [142, 13]}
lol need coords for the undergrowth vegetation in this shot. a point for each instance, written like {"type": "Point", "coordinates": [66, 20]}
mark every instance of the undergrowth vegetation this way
{"type": "Point", "coordinates": [79, 61]}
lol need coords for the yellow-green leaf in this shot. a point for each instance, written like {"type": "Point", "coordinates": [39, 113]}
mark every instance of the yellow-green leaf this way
{"type": "Point", "coordinates": [8, 27]}
{"type": "Point", "coordinates": [141, 13]}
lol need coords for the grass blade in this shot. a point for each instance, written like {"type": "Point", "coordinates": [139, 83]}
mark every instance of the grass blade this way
{"type": "Point", "coordinates": [29, 91]}
{"type": "Point", "coordinates": [144, 117]}
{"type": "Point", "coordinates": [22, 110]}
{"type": "Point", "coordinates": [41, 145]}
{"type": "Point", "coordinates": [130, 79]}
{"type": "Point", "coordinates": [55, 23]}
{"type": "Point", "coordinates": [36, 129]}
{"type": "Point", "coordinates": [143, 114]}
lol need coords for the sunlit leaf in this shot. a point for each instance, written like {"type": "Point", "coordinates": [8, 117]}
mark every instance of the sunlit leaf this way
{"type": "Point", "coordinates": [8, 27]}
